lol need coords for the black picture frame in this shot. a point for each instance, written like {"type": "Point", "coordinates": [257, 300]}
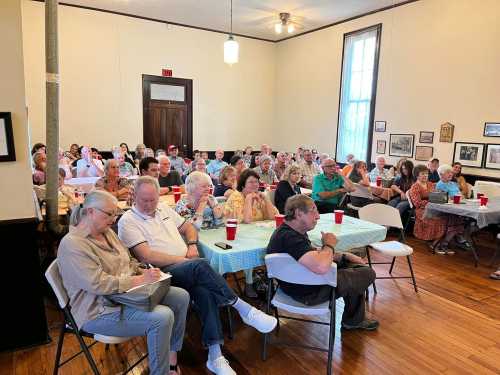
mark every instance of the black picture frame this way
{"type": "Point", "coordinates": [486, 163]}
{"type": "Point", "coordinates": [428, 134]}
{"type": "Point", "coordinates": [379, 126]}
{"type": "Point", "coordinates": [492, 133]}
{"type": "Point", "coordinates": [7, 151]}
{"type": "Point", "coordinates": [381, 142]}
{"type": "Point", "coordinates": [426, 158]}
{"type": "Point", "coordinates": [465, 162]}
{"type": "Point", "coordinates": [410, 147]}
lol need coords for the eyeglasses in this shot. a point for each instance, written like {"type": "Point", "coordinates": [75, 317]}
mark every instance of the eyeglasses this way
{"type": "Point", "coordinates": [329, 166]}
{"type": "Point", "coordinates": [110, 215]}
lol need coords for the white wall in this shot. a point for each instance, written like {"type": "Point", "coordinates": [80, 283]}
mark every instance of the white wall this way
{"type": "Point", "coordinates": [439, 62]}
{"type": "Point", "coordinates": [102, 59]}
{"type": "Point", "coordinates": [15, 189]}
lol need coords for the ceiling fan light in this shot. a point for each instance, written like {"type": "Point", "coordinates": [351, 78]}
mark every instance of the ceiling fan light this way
{"type": "Point", "coordinates": [278, 28]}
{"type": "Point", "coordinates": [291, 28]}
{"type": "Point", "coordinates": [231, 51]}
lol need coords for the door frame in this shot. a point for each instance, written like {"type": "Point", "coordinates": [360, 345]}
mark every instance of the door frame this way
{"type": "Point", "coordinates": [147, 80]}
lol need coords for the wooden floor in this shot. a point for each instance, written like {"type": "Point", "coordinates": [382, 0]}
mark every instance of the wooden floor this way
{"type": "Point", "coordinates": [452, 326]}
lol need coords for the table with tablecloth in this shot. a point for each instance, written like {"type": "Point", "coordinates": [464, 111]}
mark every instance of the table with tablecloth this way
{"type": "Point", "coordinates": [249, 247]}
{"type": "Point", "coordinates": [86, 184]}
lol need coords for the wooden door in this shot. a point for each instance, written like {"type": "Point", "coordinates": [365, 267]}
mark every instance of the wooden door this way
{"type": "Point", "coordinates": [168, 113]}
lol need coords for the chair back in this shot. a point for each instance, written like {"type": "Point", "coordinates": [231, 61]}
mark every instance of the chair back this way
{"type": "Point", "coordinates": [490, 189]}
{"type": "Point", "coordinates": [381, 214]}
{"type": "Point", "coordinates": [361, 192]}
{"type": "Point", "coordinates": [283, 267]}
{"type": "Point", "coordinates": [55, 280]}
{"type": "Point", "coordinates": [270, 195]}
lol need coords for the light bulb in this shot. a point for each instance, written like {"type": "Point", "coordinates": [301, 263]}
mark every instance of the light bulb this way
{"type": "Point", "coordinates": [291, 28]}
{"type": "Point", "coordinates": [231, 51]}
{"type": "Point", "coordinates": [278, 28]}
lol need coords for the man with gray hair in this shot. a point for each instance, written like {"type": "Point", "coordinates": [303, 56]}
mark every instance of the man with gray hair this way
{"type": "Point", "coordinates": [154, 232]}
{"type": "Point", "coordinates": [379, 170]}
{"type": "Point", "coordinates": [280, 165]}
{"type": "Point", "coordinates": [216, 165]}
{"type": "Point", "coordinates": [309, 169]}
{"type": "Point", "coordinates": [301, 216]}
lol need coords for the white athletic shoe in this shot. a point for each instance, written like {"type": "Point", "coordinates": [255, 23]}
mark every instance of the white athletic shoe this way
{"type": "Point", "coordinates": [220, 366]}
{"type": "Point", "coordinates": [260, 321]}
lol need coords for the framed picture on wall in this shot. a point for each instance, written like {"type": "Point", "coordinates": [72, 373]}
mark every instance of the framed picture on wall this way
{"type": "Point", "coordinates": [401, 145]}
{"type": "Point", "coordinates": [7, 152]}
{"type": "Point", "coordinates": [426, 137]}
{"type": "Point", "coordinates": [492, 159]}
{"type": "Point", "coordinates": [491, 129]}
{"type": "Point", "coordinates": [380, 126]}
{"type": "Point", "coordinates": [424, 153]}
{"type": "Point", "coordinates": [469, 154]}
{"type": "Point", "coordinates": [446, 132]}
{"type": "Point", "coordinates": [381, 146]}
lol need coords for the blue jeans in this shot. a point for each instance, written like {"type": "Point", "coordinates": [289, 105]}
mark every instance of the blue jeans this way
{"type": "Point", "coordinates": [401, 205]}
{"type": "Point", "coordinates": [209, 291]}
{"type": "Point", "coordinates": [164, 327]}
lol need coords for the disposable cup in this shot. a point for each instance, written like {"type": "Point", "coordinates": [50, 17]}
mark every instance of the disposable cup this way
{"type": "Point", "coordinates": [177, 196]}
{"type": "Point", "coordinates": [280, 219]}
{"type": "Point", "coordinates": [176, 189]}
{"type": "Point", "coordinates": [339, 216]}
{"type": "Point", "coordinates": [231, 226]}
{"type": "Point", "coordinates": [456, 198]}
{"type": "Point", "coordinates": [483, 200]}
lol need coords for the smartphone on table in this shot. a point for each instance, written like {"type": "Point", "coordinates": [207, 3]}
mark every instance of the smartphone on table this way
{"type": "Point", "coordinates": [223, 245]}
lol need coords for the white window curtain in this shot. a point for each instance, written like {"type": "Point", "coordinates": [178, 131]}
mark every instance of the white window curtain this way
{"type": "Point", "coordinates": [356, 94]}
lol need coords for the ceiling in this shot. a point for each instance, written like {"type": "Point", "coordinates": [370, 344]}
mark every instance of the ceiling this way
{"type": "Point", "coordinates": [255, 18]}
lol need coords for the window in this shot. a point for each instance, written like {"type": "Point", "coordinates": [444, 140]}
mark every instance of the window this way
{"type": "Point", "coordinates": [357, 93]}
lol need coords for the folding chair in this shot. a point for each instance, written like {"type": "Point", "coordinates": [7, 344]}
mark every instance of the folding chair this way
{"type": "Point", "coordinates": [283, 267]}
{"type": "Point", "coordinates": [388, 216]}
{"type": "Point", "coordinates": [69, 326]}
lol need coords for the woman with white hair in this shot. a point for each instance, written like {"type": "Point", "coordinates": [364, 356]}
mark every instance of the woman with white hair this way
{"type": "Point", "coordinates": [95, 264]}
{"type": "Point", "coordinates": [126, 169]}
{"type": "Point", "coordinates": [446, 183]}
{"type": "Point", "coordinates": [265, 171]}
{"type": "Point", "coordinates": [118, 186]}
{"type": "Point", "coordinates": [198, 206]}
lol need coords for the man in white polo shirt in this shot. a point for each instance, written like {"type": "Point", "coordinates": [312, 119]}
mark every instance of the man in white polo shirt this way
{"type": "Point", "coordinates": [154, 232]}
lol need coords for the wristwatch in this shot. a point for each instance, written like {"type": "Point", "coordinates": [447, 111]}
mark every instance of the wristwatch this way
{"type": "Point", "coordinates": [192, 243]}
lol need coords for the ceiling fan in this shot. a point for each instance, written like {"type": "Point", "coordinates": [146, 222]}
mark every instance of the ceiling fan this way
{"type": "Point", "coordinates": [286, 22]}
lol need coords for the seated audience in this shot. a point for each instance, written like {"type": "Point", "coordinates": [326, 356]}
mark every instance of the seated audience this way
{"type": "Point", "coordinates": [64, 163]}
{"type": "Point", "coordinates": [94, 264]}
{"type": "Point", "coordinates": [329, 187]}
{"type": "Point", "coordinates": [349, 162]}
{"type": "Point", "coordinates": [379, 170]}
{"type": "Point", "coordinates": [150, 167]}
{"type": "Point", "coordinates": [118, 186]}
{"type": "Point", "coordinates": [168, 177]}
{"type": "Point", "coordinates": [155, 234]}
{"type": "Point", "coordinates": [460, 180]}
{"type": "Point", "coordinates": [227, 183]}
{"type": "Point", "coordinates": [309, 169]}
{"type": "Point", "coordinates": [280, 165]}
{"type": "Point", "coordinates": [216, 165]}
{"type": "Point", "coordinates": [265, 171]}
{"type": "Point", "coordinates": [238, 163]}
{"type": "Point", "coordinates": [395, 170]}
{"type": "Point", "coordinates": [401, 185]}
{"type": "Point", "coordinates": [247, 156]}
{"type": "Point", "coordinates": [126, 169]}
{"type": "Point", "coordinates": [140, 153]}
{"type": "Point", "coordinates": [301, 216]}
{"type": "Point", "coordinates": [446, 183]}
{"type": "Point", "coordinates": [40, 166]}
{"type": "Point", "coordinates": [438, 230]}
{"type": "Point", "coordinates": [73, 154]}
{"type": "Point", "coordinates": [433, 165]}
{"type": "Point", "coordinates": [200, 165]}
{"type": "Point", "coordinates": [148, 152]}
{"type": "Point", "coordinates": [38, 147]}
{"type": "Point", "coordinates": [359, 175]}
{"type": "Point", "coordinates": [87, 166]}
{"type": "Point", "coordinates": [287, 187]}
{"type": "Point", "coordinates": [176, 162]}
{"type": "Point", "coordinates": [199, 206]}
{"type": "Point", "coordinates": [126, 154]}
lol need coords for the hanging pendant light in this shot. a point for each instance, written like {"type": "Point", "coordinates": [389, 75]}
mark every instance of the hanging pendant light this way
{"type": "Point", "coordinates": [231, 47]}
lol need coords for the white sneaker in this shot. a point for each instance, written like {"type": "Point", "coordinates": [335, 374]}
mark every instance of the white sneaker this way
{"type": "Point", "coordinates": [260, 321]}
{"type": "Point", "coordinates": [220, 366]}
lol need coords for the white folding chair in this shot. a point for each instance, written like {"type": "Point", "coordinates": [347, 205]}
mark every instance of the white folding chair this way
{"type": "Point", "coordinates": [283, 267]}
{"type": "Point", "coordinates": [54, 278]}
{"type": "Point", "coordinates": [388, 216]}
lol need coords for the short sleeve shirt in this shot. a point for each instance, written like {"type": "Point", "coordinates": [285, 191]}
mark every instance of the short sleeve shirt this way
{"type": "Point", "coordinates": [449, 187]}
{"type": "Point", "coordinates": [322, 183]}
{"type": "Point", "coordinates": [287, 240]}
{"type": "Point", "coordinates": [215, 167]}
{"type": "Point", "coordinates": [171, 179]}
{"type": "Point", "coordinates": [160, 231]}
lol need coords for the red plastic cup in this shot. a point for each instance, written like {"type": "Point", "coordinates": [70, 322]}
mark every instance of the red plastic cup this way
{"type": "Point", "coordinates": [339, 216]}
{"type": "Point", "coordinates": [280, 219]}
{"type": "Point", "coordinates": [210, 190]}
{"type": "Point", "coordinates": [379, 181]}
{"type": "Point", "coordinates": [483, 200]}
{"type": "Point", "coordinates": [274, 186]}
{"type": "Point", "coordinates": [177, 196]}
{"type": "Point", "coordinates": [456, 198]}
{"type": "Point", "coordinates": [176, 189]}
{"type": "Point", "coordinates": [231, 225]}
{"type": "Point", "coordinates": [479, 195]}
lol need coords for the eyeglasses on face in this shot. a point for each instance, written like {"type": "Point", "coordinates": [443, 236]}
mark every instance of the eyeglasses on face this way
{"type": "Point", "coordinates": [110, 215]}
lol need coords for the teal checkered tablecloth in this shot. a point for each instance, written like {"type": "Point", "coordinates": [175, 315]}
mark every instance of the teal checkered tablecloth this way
{"type": "Point", "coordinates": [249, 247]}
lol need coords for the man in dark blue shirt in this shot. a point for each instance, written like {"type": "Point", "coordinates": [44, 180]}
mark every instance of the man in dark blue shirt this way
{"type": "Point", "coordinates": [433, 166]}
{"type": "Point", "coordinates": [291, 237]}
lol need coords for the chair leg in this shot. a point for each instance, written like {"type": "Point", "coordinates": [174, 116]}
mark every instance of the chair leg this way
{"type": "Point", "coordinates": [331, 339]}
{"type": "Point", "coordinates": [240, 291]}
{"type": "Point", "coordinates": [265, 337]}
{"type": "Point", "coordinates": [370, 264]}
{"type": "Point", "coordinates": [229, 322]}
{"type": "Point", "coordinates": [276, 315]}
{"type": "Point", "coordinates": [59, 349]}
{"type": "Point", "coordinates": [412, 274]}
{"type": "Point", "coordinates": [392, 265]}
{"type": "Point", "coordinates": [495, 255]}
